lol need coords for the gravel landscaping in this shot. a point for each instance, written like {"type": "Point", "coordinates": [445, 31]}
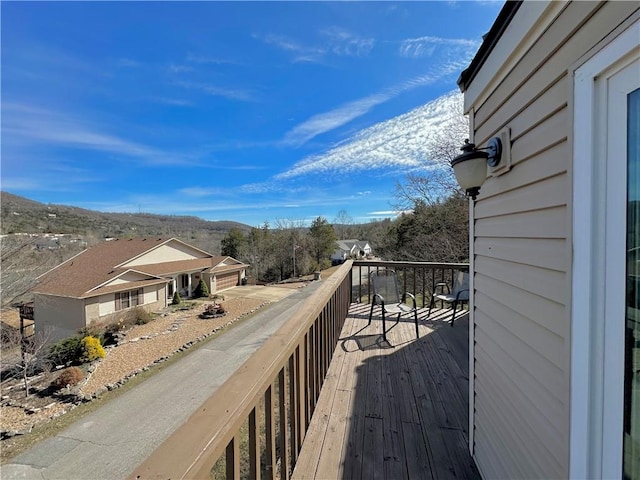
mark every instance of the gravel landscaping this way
{"type": "Point", "coordinates": [141, 347]}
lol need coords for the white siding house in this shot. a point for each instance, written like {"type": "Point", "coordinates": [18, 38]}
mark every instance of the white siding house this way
{"type": "Point", "coordinates": [550, 396]}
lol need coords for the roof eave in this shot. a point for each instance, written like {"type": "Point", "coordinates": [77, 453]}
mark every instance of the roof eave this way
{"type": "Point", "coordinates": [488, 44]}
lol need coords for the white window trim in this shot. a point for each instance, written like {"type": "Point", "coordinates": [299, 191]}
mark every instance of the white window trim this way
{"type": "Point", "coordinates": [590, 455]}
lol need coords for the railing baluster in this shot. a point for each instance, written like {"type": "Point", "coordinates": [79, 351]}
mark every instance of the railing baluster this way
{"type": "Point", "coordinates": [284, 430]}
{"type": "Point", "coordinates": [233, 460]}
{"type": "Point", "coordinates": [293, 410]}
{"type": "Point", "coordinates": [254, 446]}
{"type": "Point", "coordinates": [270, 432]}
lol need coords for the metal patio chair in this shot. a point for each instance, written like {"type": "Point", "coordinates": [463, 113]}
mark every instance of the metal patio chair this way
{"type": "Point", "coordinates": [386, 294]}
{"type": "Point", "coordinates": [455, 296]}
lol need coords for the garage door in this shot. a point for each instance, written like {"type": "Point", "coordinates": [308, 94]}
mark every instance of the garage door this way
{"type": "Point", "coordinates": [227, 280]}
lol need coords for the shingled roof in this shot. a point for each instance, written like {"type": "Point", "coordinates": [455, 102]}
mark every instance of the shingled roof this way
{"type": "Point", "coordinates": [89, 273]}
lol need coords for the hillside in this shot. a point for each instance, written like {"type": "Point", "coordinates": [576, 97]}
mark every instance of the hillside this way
{"type": "Point", "coordinates": [37, 237]}
{"type": "Point", "coordinates": [21, 215]}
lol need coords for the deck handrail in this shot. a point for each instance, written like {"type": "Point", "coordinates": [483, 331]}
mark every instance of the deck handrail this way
{"type": "Point", "coordinates": [300, 352]}
{"type": "Point", "coordinates": [419, 278]}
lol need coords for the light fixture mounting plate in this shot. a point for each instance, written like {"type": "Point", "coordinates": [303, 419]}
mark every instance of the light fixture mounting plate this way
{"type": "Point", "coordinates": [494, 149]}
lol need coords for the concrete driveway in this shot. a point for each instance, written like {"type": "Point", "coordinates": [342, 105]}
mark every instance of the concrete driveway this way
{"type": "Point", "coordinates": [271, 293]}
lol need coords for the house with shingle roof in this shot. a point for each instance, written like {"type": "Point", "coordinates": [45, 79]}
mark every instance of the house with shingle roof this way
{"type": "Point", "coordinates": [108, 279]}
{"type": "Point", "coordinates": [351, 248]}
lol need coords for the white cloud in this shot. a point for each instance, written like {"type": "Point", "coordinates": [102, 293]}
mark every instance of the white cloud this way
{"type": "Point", "coordinates": [24, 125]}
{"type": "Point", "coordinates": [338, 42]}
{"type": "Point", "coordinates": [327, 121]}
{"type": "Point", "coordinates": [216, 91]}
{"type": "Point", "coordinates": [345, 43]}
{"type": "Point", "coordinates": [399, 143]}
{"type": "Point", "coordinates": [324, 122]}
{"type": "Point", "coordinates": [427, 46]}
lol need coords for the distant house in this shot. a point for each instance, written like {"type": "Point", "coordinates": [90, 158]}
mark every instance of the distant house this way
{"type": "Point", "coordinates": [555, 317]}
{"type": "Point", "coordinates": [350, 249]}
{"type": "Point", "coordinates": [108, 279]}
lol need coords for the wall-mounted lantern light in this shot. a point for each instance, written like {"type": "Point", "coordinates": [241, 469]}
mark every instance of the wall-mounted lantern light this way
{"type": "Point", "coordinates": [470, 167]}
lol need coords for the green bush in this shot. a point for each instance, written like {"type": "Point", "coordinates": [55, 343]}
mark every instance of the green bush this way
{"type": "Point", "coordinates": [91, 349]}
{"type": "Point", "coordinates": [201, 290]}
{"type": "Point", "coordinates": [176, 299]}
{"type": "Point", "coordinates": [67, 351]}
{"type": "Point", "coordinates": [68, 376]}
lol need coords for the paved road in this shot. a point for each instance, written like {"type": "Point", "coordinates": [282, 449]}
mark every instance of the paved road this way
{"type": "Point", "coordinates": [110, 442]}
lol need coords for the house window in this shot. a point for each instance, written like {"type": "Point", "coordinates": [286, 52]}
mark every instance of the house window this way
{"type": "Point", "coordinates": [129, 299]}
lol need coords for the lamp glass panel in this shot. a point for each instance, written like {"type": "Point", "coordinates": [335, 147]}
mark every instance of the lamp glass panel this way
{"type": "Point", "coordinates": [471, 173]}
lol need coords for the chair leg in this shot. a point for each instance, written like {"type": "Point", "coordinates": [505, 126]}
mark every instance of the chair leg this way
{"type": "Point", "coordinates": [453, 317]}
{"type": "Point", "coordinates": [431, 303]}
{"type": "Point", "coordinates": [384, 326]}
{"type": "Point", "coordinates": [371, 313]}
{"type": "Point", "coordinates": [415, 317]}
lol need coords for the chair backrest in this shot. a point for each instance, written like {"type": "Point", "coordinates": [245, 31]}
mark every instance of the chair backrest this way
{"type": "Point", "coordinates": [385, 283]}
{"type": "Point", "coordinates": [461, 282]}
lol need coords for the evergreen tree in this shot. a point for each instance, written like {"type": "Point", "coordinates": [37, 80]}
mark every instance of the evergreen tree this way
{"type": "Point", "coordinates": [322, 240]}
{"type": "Point", "coordinates": [201, 290]}
{"type": "Point", "coordinates": [234, 244]}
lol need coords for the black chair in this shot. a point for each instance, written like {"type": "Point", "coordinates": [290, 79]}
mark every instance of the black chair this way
{"type": "Point", "coordinates": [459, 294]}
{"type": "Point", "coordinates": [386, 294]}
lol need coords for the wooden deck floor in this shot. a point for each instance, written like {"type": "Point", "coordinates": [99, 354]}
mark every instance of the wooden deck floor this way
{"type": "Point", "coordinates": [396, 409]}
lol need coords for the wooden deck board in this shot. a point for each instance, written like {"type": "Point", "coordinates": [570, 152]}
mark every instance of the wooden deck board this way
{"type": "Point", "coordinates": [395, 409]}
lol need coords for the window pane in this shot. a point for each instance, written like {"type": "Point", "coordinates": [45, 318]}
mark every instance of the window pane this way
{"type": "Point", "coordinates": [632, 333]}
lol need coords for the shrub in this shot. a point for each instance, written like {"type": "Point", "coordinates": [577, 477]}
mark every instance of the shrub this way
{"type": "Point", "coordinates": [176, 299]}
{"type": "Point", "coordinates": [141, 316]}
{"type": "Point", "coordinates": [68, 376]}
{"type": "Point", "coordinates": [201, 290]}
{"type": "Point", "coordinates": [67, 351]}
{"type": "Point", "coordinates": [93, 330]}
{"type": "Point", "coordinates": [91, 349]}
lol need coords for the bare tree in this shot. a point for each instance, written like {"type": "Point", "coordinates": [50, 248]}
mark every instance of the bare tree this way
{"type": "Point", "coordinates": [436, 181]}
{"type": "Point", "coordinates": [342, 223]}
{"type": "Point", "coordinates": [32, 349]}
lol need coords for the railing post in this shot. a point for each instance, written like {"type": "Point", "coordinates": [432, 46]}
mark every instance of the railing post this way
{"type": "Point", "coordinates": [284, 428]}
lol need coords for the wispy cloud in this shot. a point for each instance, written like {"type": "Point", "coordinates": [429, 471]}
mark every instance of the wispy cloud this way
{"type": "Point", "coordinates": [337, 42]}
{"type": "Point", "coordinates": [399, 143]}
{"type": "Point", "coordinates": [174, 68]}
{"type": "Point", "coordinates": [426, 46]}
{"type": "Point", "coordinates": [327, 121]}
{"type": "Point", "coordinates": [333, 119]}
{"type": "Point", "coordinates": [127, 63]}
{"type": "Point", "coordinates": [345, 43]}
{"type": "Point", "coordinates": [177, 102]}
{"type": "Point", "coordinates": [216, 91]}
{"type": "Point", "coordinates": [203, 59]}
{"type": "Point", "coordinates": [24, 125]}
{"type": "Point", "coordinates": [301, 52]}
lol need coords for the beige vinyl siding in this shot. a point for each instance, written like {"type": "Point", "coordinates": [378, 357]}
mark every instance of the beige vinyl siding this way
{"type": "Point", "coordinates": [170, 252]}
{"type": "Point", "coordinates": [62, 317]}
{"type": "Point", "coordinates": [522, 254]}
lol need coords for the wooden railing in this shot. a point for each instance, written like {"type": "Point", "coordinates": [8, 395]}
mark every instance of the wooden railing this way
{"type": "Point", "coordinates": [417, 278]}
{"type": "Point", "coordinates": [257, 420]}
{"type": "Point", "coordinates": [255, 423]}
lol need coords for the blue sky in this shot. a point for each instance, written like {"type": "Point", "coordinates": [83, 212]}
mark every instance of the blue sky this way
{"type": "Point", "coordinates": [253, 111]}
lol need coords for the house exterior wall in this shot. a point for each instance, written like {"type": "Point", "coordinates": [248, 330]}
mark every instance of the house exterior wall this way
{"type": "Point", "coordinates": [522, 243]}
{"type": "Point", "coordinates": [62, 315]}
{"type": "Point", "coordinates": [170, 252]}
{"type": "Point", "coordinates": [154, 298]}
